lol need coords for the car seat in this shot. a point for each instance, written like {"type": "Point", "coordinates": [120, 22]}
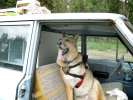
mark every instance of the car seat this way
{"type": "Point", "coordinates": [49, 85]}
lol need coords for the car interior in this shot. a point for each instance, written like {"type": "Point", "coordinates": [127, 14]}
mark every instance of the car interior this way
{"type": "Point", "coordinates": [105, 52]}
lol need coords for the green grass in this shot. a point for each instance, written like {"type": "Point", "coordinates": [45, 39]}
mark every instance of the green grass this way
{"type": "Point", "coordinates": [101, 46]}
{"type": "Point", "coordinates": [104, 47]}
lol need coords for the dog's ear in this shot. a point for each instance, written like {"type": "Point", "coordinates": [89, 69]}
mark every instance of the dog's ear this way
{"type": "Point", "coordinates": [76, 37]}
{"type": "Point", "coordinates": [66, 35]}
{"type": "Point", "coordinates": [63, 35]}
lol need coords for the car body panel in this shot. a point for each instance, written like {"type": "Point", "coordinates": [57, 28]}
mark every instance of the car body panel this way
{"type": "Point", "coordinates": [9, 80]}
{"type": "Point", "coordinates": [63, 17]}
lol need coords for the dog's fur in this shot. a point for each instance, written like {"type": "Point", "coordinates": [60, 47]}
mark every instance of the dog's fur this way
{"type": "Point", "coordinates": [90, 89]}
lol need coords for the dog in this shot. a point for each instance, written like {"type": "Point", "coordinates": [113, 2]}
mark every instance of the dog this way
{"type": "Point", "coordinates": [85, 86]}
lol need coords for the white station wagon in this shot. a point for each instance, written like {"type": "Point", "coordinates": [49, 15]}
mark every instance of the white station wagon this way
{"type": "Point", "coordinates": [30, 41]}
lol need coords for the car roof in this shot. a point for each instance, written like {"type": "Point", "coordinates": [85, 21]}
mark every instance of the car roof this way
{"type": "Point", "coordinates": [63, 16]}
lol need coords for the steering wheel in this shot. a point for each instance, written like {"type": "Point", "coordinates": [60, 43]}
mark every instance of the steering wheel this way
{"type": "Point", "coordinates": [118, 68]}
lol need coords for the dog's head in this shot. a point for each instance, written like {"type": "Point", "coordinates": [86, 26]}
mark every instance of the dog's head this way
{"type": "Point", "coordinates": [67, 47]}
{"type": "Point", "coordinates": [67, 44]}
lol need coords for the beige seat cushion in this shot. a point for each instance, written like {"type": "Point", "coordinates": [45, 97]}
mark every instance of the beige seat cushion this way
{"type": "Point", "coordinates": [109, 86]}
{"type": "Point", "coordinates": [49, 84]}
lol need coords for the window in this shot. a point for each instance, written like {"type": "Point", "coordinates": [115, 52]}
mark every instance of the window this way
{"type": "Point", "coordinates": [101, 47]}
{"type": "Point", "coordinates": [79, 44]}
{"type": "Point", "coordinates": [124, 53]}
{"type": "Point", "coordinates": [102, 37]}
{"type": "Point", "coordinates": [107, 48]}
{"type": "Point", "coordinates": [13, 44]}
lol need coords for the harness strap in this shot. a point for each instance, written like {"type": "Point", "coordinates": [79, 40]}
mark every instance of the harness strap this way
{"type": "Point", "coordinates": [75, 75]}
{"type": "Point", "coordinates": [76, 65]}
{"type": "Point", "coordinates": [67, 69]}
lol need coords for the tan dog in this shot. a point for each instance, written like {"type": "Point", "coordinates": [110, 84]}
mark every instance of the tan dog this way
{"type": "Point", "coordinates": [86, 87]}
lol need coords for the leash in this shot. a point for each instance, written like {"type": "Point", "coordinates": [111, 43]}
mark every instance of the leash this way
{"type": "Point", "coordinates": [80, 82]}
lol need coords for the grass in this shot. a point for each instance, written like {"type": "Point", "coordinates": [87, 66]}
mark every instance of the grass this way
{"type": "Point", "coordinates": [106, 48]}
{"type": "Point", "coordinates": [105, 45]}
{"type": "Point", "coordinates": [101, 46]}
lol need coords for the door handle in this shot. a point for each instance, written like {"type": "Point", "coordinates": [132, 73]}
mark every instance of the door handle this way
{"type": "Point", "coordinates": [22, 91]}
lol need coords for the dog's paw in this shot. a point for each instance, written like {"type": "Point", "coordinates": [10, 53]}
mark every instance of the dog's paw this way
{"type": "Point", "coordinates": [118, 93]}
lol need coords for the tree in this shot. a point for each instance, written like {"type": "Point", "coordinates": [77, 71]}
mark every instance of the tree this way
{"type": "Point", "coordinates": [78, 6]}
{"type": "Point", "coordinates": [47, 3]}
{"type": "Point", "coordinates": [98, 6]}
{"type": "Point", "coordinates": [130, 10]}
{"type": "Point", "coordinates": [54, 5]}
{"type": "Point", "coordinates": [88, 5]}
{"type": "Point", "coordinates": [114, 6]}
{"type": "Point", "coordinates": [59, 6]}
{"type": "Point", "coordinates": [7, 3]}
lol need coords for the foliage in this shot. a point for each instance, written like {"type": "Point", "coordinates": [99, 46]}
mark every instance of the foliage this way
{"type": "Point", "coordinates": [7, 3]}
{"type": "Point", "coordinates": [59, 6]}
{"type": "Point", "coordinates": [47, 3]}
{"type": "Point", "coordinates": [88, 6]}
{"type": "Point", "coordinates": [54, 5]}
{"type": "Point", "coordinates": [114, 6]}
{"type": "Point", "coordinates": [130, 10]}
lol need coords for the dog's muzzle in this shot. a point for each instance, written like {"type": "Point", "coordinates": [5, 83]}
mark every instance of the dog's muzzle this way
{"type": "Point", "coordinates": [65, 51]}
{"type": "Point", "coordinates": [62, 47]}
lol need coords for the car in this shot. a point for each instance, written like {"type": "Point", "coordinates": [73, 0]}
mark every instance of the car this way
{"type": "Point", "coordinates": [30, 41]}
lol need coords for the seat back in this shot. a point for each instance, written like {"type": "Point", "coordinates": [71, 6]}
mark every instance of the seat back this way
{"type": "Point", "coordinates": [49, 84]}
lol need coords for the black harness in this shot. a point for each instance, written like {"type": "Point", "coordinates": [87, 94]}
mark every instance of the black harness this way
{"type": "Point", "coordinates": [66, 70]}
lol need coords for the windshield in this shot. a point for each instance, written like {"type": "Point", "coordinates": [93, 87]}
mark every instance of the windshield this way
{"type": "Point", "coordinates": [129, 25]}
